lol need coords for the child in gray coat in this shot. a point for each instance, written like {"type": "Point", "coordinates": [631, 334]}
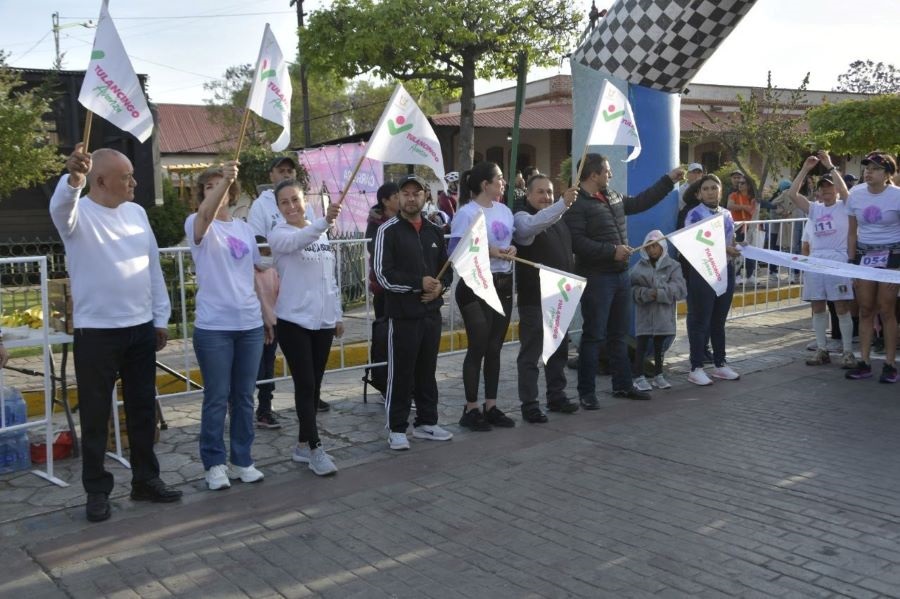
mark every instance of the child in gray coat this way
{"type": "Point", "coordinates": [657, 284]}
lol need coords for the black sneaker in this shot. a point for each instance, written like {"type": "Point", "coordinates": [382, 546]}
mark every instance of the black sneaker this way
{"type": "Point", "coordinates": [267, 420]}
{"type": "Point", "coordinates": [497, 418]}
{"type": "Point", "coordinates": [322, 406]}
{"type": "Point", "coordinates": [534, 415]}
{"type": "Point", "coordinates": [97, 508]}
{"type": "Point", "coordinates": [888, 374]}
{"type": "Point", "coordinates": [154, 490]}
{"type": "Point", "coordinates": [862, 371]}
{"type": "Point", "coordinates": [474, 420]}
{"type": "Point", "coordinates": [633, 393]}
{"type": "Point", "coordinates": [566, 406]}
{"type": "Point", "coordinates": [589, 402]}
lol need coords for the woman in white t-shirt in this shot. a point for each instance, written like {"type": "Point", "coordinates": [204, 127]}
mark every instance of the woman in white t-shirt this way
{"type": "Point", "coordinates": [228, 327]}
{"type": "Point", "coordinates": [481, 190]}
{"type": "Point", "coordinates": [874, 240]}
{"type": "Point", "coordinates": [825, 236]}
{"type": "Point", "coordinates": [308, 310]}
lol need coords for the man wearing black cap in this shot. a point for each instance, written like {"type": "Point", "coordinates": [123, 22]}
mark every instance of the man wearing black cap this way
{"type": "Point", "coordinates": [409, 253]}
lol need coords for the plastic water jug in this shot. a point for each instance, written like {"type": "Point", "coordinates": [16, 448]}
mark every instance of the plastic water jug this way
{"type": "Point", "coordinates": [14, 408]}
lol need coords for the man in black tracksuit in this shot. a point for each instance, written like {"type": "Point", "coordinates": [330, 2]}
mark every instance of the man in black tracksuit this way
{"type": "Point", "coordinates": [600, 242]}
{"type": "Point", "coordinates": [541, 236]}
{"type": "Point", "coordinates": [409, 252]}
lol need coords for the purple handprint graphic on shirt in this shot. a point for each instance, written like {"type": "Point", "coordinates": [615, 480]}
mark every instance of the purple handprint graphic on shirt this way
{"type": "Point", "coordinates": [237, 247]}
{"type": "Point", "coordinates": [501, 232]}
{"type": "Point", "coordinates": [872, 214]}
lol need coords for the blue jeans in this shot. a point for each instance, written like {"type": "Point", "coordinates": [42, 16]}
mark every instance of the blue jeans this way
{"type": "Point", "coordinates": [706, 317]}
{"type": "Point", "coordinates": [607, 311]}
{"type": "Point", "coordinates": [228, 361]}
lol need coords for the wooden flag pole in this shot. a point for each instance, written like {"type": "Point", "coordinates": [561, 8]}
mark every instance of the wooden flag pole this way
{"type": "Point", "coordinates": [350, 180]}
{"type": "Point", "coordinates": [443, 270]}
{"type": "Point", "coordinates": [88, 120]}
{"type": "Point", "coordinates": [240, 142]}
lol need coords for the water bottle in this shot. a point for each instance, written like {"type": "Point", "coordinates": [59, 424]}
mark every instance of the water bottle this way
{"type": "Point", "coordinates": [14, 408]}
{"type": "Point", "coordinates": [23, 451]}
{"type": "Point", "coordinates": [8, 453]}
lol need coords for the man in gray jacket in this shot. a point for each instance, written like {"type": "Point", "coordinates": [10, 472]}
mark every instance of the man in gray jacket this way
{"type": "Point", "coordinates": [600, 241]}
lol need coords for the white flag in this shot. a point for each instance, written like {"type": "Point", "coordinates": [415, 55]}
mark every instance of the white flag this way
{"type": "Point", "coordinates": [823, 266]}
{"type": "Point", "coordinates": [472, 263]}
{"type": "Point", "coordinates": [560, 294]}
{"type": "Point", "coordinates": [614, 123]}
{"type": "Point", "coordinates": [703, 245]}
{"type": "Point", "coordinates": [110, 88]}
{"type": "Point", "coordinates": [404, 135]}
{"type": "Point", "coordinates": [270, 94]}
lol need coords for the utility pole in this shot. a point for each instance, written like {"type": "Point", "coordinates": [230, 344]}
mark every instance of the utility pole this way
{"type": "Point", "coordinates": [304, 90]}
{"type": "Point", "coordinates": [56, 27]}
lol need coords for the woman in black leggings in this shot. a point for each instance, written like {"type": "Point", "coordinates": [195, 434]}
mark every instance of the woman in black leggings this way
{"type": "Point", "coordinates": [481, 189]}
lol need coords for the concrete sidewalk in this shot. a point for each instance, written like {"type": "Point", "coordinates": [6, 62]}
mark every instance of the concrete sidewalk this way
{"type": "Point", "coordinates": [781, 484]}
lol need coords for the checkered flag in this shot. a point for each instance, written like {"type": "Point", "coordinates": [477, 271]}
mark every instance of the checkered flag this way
{"type": "Point", "coordinates": [660, 44]}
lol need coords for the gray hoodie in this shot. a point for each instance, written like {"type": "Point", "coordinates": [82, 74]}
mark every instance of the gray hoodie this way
{"type": "Point", "coordinates": [656, 316]}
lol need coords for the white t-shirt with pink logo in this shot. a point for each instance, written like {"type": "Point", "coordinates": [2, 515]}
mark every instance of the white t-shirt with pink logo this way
{"type": "Point", "coordinates": [877, 215]}
{"type": "Point", "coordinates": [826, 227]}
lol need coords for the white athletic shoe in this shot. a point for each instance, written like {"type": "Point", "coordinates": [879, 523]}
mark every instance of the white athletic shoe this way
{"type": "Point", "coordinates": [698, 377]}
{"type": "Point", "coordinates": [248, 475]}
{"type": "Point", "coordinates": [398, 441]}
{"type": "Point", "coordinates": [660, 382]}
{"type": "Point", "coordinates": [641, 384]}
{"type": "Point", "coordinates": [217, 478]}
{"type": "Point", "coordinates": [302, 453]}
{"type": "Point", "coordinates": [321, 463]}
{"type": "Point", "coordinates": [432, 432]}
{"type": "Point", "coordinates": [725, 373]}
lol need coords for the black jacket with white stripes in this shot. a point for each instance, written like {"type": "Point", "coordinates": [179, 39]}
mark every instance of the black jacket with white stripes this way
{"type": "Point", "coordinates": [403, 257]}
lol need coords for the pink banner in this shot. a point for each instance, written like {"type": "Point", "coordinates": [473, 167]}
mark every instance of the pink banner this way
{"type": "Point", "coordinates": [329, 169]}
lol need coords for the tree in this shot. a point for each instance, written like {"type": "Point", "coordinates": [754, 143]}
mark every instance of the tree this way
{"type": "Point", "coordinates": [27, 155]}
{"type": "Point", "coordinates": [858, 126]}
{"type": "Point", "coordinates": [447, 44]}
{"type": "Point", "coordinates": [867, 77]}
{"type": "Point", "coordinates": [770, 123]}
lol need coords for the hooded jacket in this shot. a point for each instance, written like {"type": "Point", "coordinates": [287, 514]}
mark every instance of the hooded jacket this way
{"type": "Point", "coordinates": [598, 225]}
{"type": "Point", "coordinates": [656, 316]}
{"type": "Point", "coordinates": [376, 219]}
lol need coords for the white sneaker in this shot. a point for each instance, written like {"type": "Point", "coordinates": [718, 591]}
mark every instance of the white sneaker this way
{"type": "Point", "coordinates": [248, 475]}
{"type": "Point", "coordinates": [698, 377]}
{"type": "Point", "coordinates": [660, 382]}
{"type": "Point", "coordinates": [641, 384]}
{"type": "Point", "coordinates": [398, 441]}
{"type": "Point", "coordinates": [432, 432]}
{"type": "Point", "coordinates": [725, 373]}
{"type": "Point", "coordinates": [217, 478]}
{"type": "Point", "coordinates": [302, 453]}
{"type": "Point", "coordinates": [321, 463]}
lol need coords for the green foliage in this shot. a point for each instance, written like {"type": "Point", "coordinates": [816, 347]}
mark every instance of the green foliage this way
{"type": "Point", "coordinates": [167, 221]}
{"type": "Point", "coordinates": [858, 126]}
{"type": "Point", "coordinates": [770, 123]}
{"type": "Point", "coordinates": [27, 156]}
{"type": "Point", "coordinates": [867, 77]}
{"type": "Point", "coordinates": [447, 44]}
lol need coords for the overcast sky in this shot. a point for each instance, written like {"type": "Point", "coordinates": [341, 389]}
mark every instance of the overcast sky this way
{"type": "Point", "coordinates": [181, 44]}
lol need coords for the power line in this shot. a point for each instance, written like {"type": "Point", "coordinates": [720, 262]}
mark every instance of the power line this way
{"type": "Point", "coordinates": [206, 16]}
{"type": "Point", "coordinates": [36, 44]}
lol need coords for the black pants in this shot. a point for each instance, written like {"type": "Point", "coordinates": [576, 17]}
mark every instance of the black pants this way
{"type": "Point", "coordinates": [306, 352]}
{"type": "Point", "coordinates": [642, 341]}
{"type": "Point", "coordinates": [531, 334]}
{"type": "Point", "coordinates": [266, 371]}
{"type": "Point", "coordinates": [486, 330]}
{"type": "Point", "coordinates": [101, 355]}
{"type": "Point", "coordinates": [412, 361]}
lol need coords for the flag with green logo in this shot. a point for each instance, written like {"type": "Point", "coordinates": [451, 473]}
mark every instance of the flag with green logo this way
{"type": "Point", "coordinates": [703, 246]}
{"type": "Point", "coordinates": [614, 123]}
{"type": "Point", "coordinates": [111, 88]}
{"type": "Point", "coordinates": [472, 263]}
{"type": "Point", "coordinates": [270, 94]}
{"type": "Point", "coordinates": [560, 294]}
{"type": "Point", "coordinates": [404, 135]}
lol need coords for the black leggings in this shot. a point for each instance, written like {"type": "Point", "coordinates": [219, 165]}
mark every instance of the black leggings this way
{"type": "Point", "coordinates": [486, 330]}
{"type": "Point", "coordinates": [641, 350]}
{"type": "Point", "coordinates": [306, 352]}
